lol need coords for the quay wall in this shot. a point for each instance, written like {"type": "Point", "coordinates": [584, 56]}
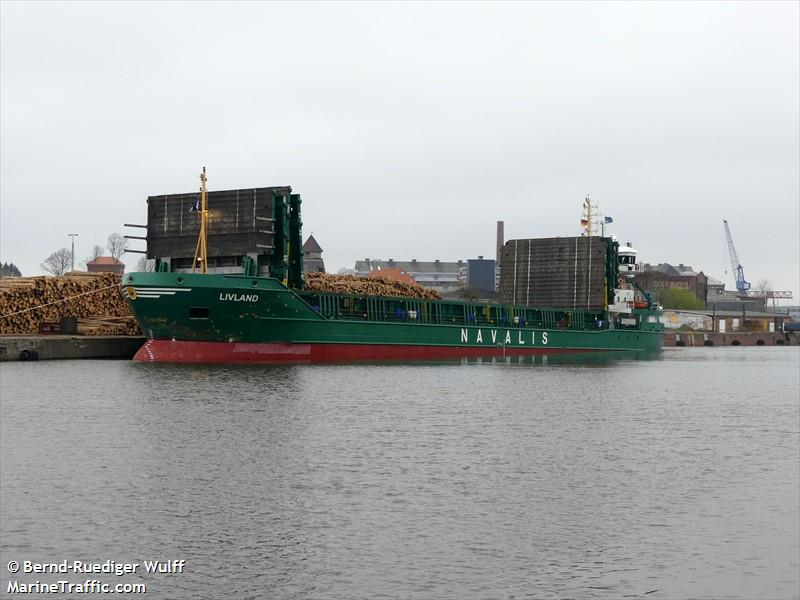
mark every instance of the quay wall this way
{"type": "Point", "coordinates": [51, 347]}
{"type": "Point", "coordinates": [744, 338]}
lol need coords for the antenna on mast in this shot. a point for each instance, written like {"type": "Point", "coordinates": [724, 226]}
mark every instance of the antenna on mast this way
{"type": "Point", "coordinates": [586, 217]}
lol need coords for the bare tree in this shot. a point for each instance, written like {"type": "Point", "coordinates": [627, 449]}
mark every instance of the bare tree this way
{"type": "Point", "coordinates": [117, 245]}
{"type": "Point", "coordinates": [763, 285]}
{"type": "Point", "coordinates": [58, 262]}
{"type": "Point", "coordinates": [145, 265]}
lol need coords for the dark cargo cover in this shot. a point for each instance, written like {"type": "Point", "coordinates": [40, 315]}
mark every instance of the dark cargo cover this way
{"type": "Point", "coordinates": [562, 272]}
{"type": "Point", "coordinates": [239, 223]}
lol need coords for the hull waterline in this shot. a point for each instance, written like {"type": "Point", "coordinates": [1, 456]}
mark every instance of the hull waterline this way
{"type": "Point", "coordinates": [169, 351]}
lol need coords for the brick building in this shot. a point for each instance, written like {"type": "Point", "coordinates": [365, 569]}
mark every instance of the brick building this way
{"type": "Point", "coordinates": [653, 281]}
{"type": "Point", "coordinates": [105, 264]}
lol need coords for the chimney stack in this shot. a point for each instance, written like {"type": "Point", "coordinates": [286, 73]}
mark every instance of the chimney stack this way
{"type": "Point", "coordinates": [500, 241]}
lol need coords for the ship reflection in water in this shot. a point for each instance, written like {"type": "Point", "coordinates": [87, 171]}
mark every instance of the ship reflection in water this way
{"type": "Point", "coordinates": [560, 358]}
{"type": "Point", "coordinates": [582, 358]}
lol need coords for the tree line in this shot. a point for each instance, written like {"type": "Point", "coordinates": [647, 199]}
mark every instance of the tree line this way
{"type": "Point", "coordinates": [9, 270]}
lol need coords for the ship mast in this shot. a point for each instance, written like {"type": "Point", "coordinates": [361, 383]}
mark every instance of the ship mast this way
{"type": "Point", "coordinates": [200, 250]}
{"type": "Point", "coordinates": [586, 219]}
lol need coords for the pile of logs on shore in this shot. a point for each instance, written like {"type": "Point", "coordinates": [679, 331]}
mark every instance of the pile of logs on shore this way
{"type": "Point", "coordinates": [29, 305]}
{"type": "Point", "coordinates": [377, 286]}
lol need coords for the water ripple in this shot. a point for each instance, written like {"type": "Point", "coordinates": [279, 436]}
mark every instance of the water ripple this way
{"type": "Point", "coordinates": [668, 479]}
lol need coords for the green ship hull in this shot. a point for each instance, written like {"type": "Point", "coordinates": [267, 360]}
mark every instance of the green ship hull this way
{"type": "Point", "coordinates": [235, 318]}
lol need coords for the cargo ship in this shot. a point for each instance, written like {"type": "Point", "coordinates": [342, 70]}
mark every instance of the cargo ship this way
{"type": "Point", "coordinates": [217, 306]}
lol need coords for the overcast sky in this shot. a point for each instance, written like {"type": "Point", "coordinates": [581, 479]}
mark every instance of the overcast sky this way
{"type": "Point", "coordinates": [410, 129]}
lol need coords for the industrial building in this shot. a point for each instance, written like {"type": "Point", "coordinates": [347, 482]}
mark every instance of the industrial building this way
{"type": "Point", "coordinates": [664, 276]}
{"type": "Point", "coordinates": [732, 300]}
{"type": "Point", "coordinates": [725, 321]}
{"type": "Point", "coordinates": [708, 289]}
{"type": "Point", "coordinates": [481, 278]}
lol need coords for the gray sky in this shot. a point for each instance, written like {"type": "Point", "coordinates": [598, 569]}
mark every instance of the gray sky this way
{"type": "Point", "coordinates": [411, 128]}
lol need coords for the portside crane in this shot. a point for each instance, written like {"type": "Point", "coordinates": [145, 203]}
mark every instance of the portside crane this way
{"type": "Point", "coordinates": [742, 285]}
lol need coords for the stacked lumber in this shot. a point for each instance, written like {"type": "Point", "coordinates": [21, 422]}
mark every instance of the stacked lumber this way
{"type": "Point", "coordinates": [374, 286]}
{"type": "Point", "coordinates": [108, 325]}
{"type": "Point", "coordinates": [94, 326]}
{"type": "Point", "coordinates": [94, 298]}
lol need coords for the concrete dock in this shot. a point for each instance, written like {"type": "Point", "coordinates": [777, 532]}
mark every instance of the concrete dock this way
{"type": "Point", "coordinates": [52, 347]}
{"type": "Point", "coordinates": [743, 338]}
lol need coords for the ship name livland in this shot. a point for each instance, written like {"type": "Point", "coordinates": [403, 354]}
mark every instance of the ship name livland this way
{"type": "Point", "coordinates": [228, 297]}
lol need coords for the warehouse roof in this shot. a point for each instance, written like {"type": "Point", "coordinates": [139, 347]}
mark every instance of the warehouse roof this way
{"type": "Point", "coordinates": [755, 314]}
{"type": "Point", "coordinates": [104, 260]}
{"type": "Point", "coordinates": [748, 314]}
{"type": "Point", "coordinates": [668, 269]}
{"type": "Point", "coordinates": [411, 266]}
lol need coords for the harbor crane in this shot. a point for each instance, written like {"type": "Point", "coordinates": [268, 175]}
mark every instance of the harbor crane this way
{"type": "Point", "coordinates": [742, 285]}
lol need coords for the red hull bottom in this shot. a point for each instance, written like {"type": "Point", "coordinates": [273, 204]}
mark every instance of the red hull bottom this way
{"type": "Point", "coordinates": [234, 352]}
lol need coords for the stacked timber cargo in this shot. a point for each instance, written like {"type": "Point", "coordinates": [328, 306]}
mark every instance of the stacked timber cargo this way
{"type": "Point", "coordinates": [563, 272]}
{"type": "Point", "coordinates": [360, 286]}
{"type": "Point", "coordinates": [30, 305]}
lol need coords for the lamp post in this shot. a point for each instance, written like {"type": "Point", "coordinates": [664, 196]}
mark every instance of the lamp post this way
{"type": "Point", "coordinates": [72, 256]}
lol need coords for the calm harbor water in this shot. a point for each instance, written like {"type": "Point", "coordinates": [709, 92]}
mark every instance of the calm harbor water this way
{"type": "Point", "coordinates": [676, 478]}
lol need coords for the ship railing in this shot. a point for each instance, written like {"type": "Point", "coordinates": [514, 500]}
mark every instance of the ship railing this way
{"type": "Point", "coordinates": [443, 312]}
